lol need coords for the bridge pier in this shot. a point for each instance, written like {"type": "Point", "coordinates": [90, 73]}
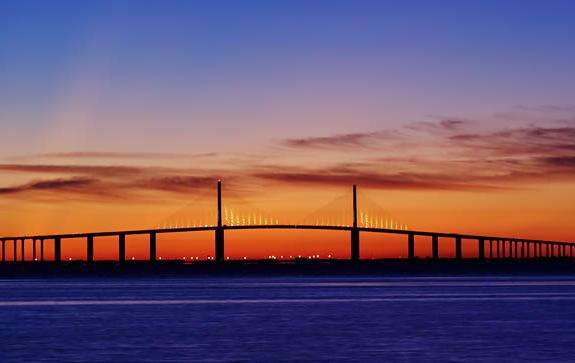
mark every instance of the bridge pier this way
{"type": "Point", "coordinates": [15, 241]}
{"type": "Point", "coordinates": [122, 248]}
{"type": "Point", "coordinates": [219, 250]}
{"type": "Point", "coordinates": [458, 250]}
{"type": "Point", "coordinates": [3, 251]}
{"type": "Point", "coordinates": [498, 248]}
{"type": "Point", "coordinates": [41, 250]}
{"type": "Point", "coordinates": [435, 247]}
{"type": "Point", "coordinates": [522, 249]}
{"type": "Point", "coordinates": [515, 249]}
{"type": "Point", "coordinates": [22, 254]}
{"type": "Point", "coordinates": [90, 248]}
{"type": "Point", "coordinates": [490, 248]}
{"type": "Point", "coordinates": [411, 246]}
{"type": "Point", "coordinates": [33, 249]}
{"type": "Point", "coordinates": [481, 249]}
{"type": "Point", "coordinates": [540, 253]}
{"type": "Point", "coordinates": [58, 249]}
{"type": "Point", "coordinates": [564, 250]}
{"type": "Point", "coordinates": [152, 246]}
{"type": "Point", "coordinates": [355, 244]}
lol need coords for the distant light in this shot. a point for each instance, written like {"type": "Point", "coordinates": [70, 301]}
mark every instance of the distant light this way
{"type": "Point", "coordinates": [133, 258]}
{"type": "Point", "coordinates": [69, 258]}
{"type": "Point", "coordinates": [245, 258]}
{"type": "Point", "coordinates": [184, 257]}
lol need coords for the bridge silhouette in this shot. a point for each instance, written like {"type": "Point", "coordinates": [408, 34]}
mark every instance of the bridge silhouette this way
{"type": "Point", "coordinates": [487, 246]}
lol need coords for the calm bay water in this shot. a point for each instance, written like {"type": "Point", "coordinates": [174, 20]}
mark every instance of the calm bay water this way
{"type": "Point", "coordinates": [288, 318]}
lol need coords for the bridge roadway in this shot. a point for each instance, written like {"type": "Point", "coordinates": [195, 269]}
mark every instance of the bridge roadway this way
{"type": "Point", "coordinates": [513, 243]}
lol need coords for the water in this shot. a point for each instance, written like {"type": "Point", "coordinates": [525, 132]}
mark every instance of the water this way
{"type": "Point", "coordinates": [293, 318]}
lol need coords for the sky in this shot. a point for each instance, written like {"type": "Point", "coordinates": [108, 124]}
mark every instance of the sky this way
{"type": "Point", "coordinates": [449, 115]}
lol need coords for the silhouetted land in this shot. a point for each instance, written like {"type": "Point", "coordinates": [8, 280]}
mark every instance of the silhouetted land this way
{"type": "Point", "coordinates": [291, 268]}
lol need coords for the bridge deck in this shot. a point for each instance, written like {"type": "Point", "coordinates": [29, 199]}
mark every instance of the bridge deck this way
{"type": "Point", "coordinates": [275, 227]}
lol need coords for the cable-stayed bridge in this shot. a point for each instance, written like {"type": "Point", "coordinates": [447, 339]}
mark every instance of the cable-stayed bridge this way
{"type": "Point", "coordinates": [333, 216]}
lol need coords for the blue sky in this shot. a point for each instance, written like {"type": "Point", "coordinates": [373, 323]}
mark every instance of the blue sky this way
{"type": "Point", "coordinates": [321, 66]}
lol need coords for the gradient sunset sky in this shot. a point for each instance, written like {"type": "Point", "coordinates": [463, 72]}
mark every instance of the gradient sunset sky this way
{"type": "Point", "coordinates": [449, 115]}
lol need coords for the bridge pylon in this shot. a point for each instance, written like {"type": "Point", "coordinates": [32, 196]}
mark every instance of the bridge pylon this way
{"type": "Point", "coordinates": [355, 229]}
{"type": "Point", "coordinates": [219, 233]}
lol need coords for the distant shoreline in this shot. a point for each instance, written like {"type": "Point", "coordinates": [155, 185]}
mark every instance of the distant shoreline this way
{"type": "Point", "coordinates": [385, 267]}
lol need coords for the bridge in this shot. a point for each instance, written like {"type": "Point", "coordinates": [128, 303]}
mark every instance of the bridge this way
{"type": "Point", "coordinates": [487, 246]}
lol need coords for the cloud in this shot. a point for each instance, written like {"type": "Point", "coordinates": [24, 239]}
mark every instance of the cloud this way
{"type": "Point", "coordinates": [73, 185]}
{"type": "Point", "coordinates": [445, 125]}
{"type": "Point", "coordinates": [345, 176]}
{"type": "Point", "coordinates": [451, 154]}
{"type": "Point", "coordinates": [521, 141]}
{"type": "Point", "coordinates": [72, 169]}
{"type": "Point", "coordinates": [345, 141]}
{"type": "Point", "coordinates": [178, 183]}
{"type": "Point", "coordinates": [547, 108]}
{"type": "Point", "coordinates": [123, 155]}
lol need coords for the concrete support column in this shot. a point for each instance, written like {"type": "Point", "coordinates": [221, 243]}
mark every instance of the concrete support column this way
{"type": "Point", "coordinates": [3, 251]}
{"type": "Point", "coordinates": [540, 254]}
{"type": "Point", "coordinates": [564, 251]}
{"type": "Point", "coordinates": [355, 244]}
{"type": "Point", "coordinates": [481, 249]}
{"type": "Point", "coordinates": [90, 248]}
{"type": "Point", "coordinates": [22, 252]}
{"type": "Point", "coordinates": [498, 245]}
{"type": "Point", "coordinates": [42, 250]}
{"type": "Point", "coordinates": [490, 248]}
{"type": "Point", "coordinates": [435, 247]}
{"type": "Point", "coordinates": [219, 253]}
{"type": "Point", "coordinates": [57, 249]}
{"type": "Point", "coordinates": [152, 246]}
{"type": "Point", "coordinates": [34, 249]}
{"type": "Point", "coordinates": [122, 248]}
{"type": "Point", "coordinates": [458, 249]}
{"type": "Point", "coordinates": [547, 250]}
{"type": "Point", "coordinates": [15, 250]}
{"type": "Point", "coordinates": [411, 246]}
{"type": "Point", "coordinates": [516, 249]}
{"type": "Point", "coordinates": [522, 249]}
